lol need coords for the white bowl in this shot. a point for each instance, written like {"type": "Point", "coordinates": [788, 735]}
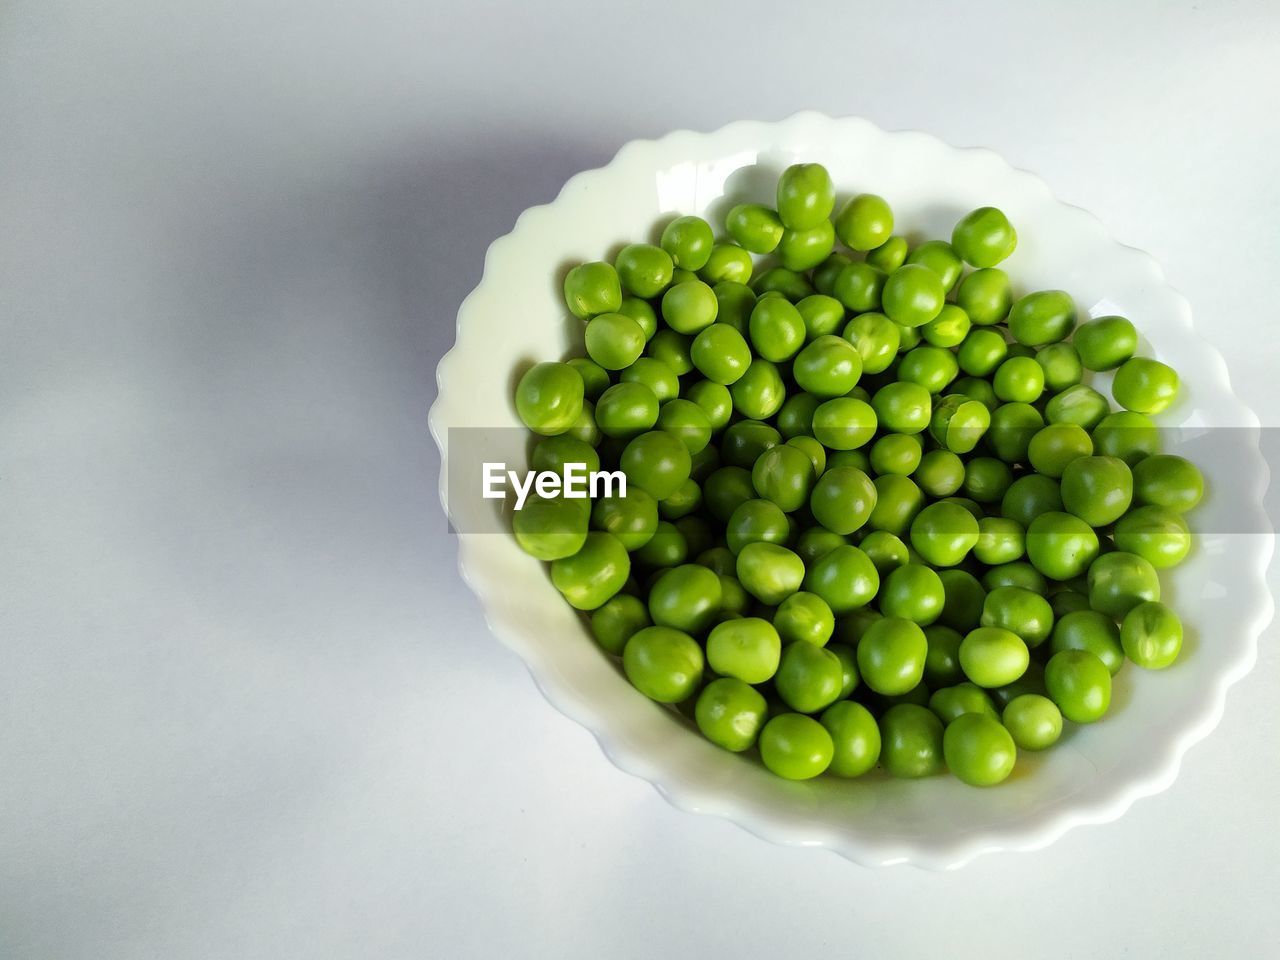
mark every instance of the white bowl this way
{"type": "Point", "coordinates": [516, 314]}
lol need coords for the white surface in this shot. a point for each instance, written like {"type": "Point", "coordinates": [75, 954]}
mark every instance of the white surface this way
{"type": "Point", "coordinates": [247, 709]}
{"type": "Point", "coordinates": [1096, 772]}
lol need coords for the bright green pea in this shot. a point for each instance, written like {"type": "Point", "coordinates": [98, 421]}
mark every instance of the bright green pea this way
{"type": "Point", "coordinates": [549, 398]}
{"type": "Point", "coordinates": [1091, 631]}
{"type": "Point", "coordinates": [1080, 685]}
{"type": "Point", "coordinates": [984, 237]}
{"type": "Point", "coordinates": [824, 275]}
{"type": "Point", "coordinates": [802, 250]}
{"type": "Point", "coordinates": [1034, 722]}
{"type": "Point", "coordinates": [890, 255]}
{"type": "Point", "coordinates": [759, 393]}
{"type": "Point", "coordinates": [959, 423]}
{"type": "Point", "coordinates": [912, 592]}
{"type": "Point", "coordinates": [898, 500]}
{"type": "Point", "coordinates": [1168, 481]}
{"type": "Point", "coordinates": [842, 499]}
{"type": "Point", "coordinates": [986, 479]}
{"type": "Point", "coordinates": [672, 349]}
{"type": "Point", "coordinates": [859, 286]}
{"type": "Point", "coordinates": [689, 241]}
{"type": "Point", "coordinates": [795, 417]}
{"type": "Point", "coordinates": [978, 389]}
{"type": "Point", "coordinates": [1016, 573]}
{"type": "Point", "coordinates": [792, 286]}
{"type": "Point", "coordinates": [1029, 496]}
{"type": "Point", "coordinates": [1120, 581]}
{"type": "Point", "coordinates": [1157, 534]}
{"type": "Point", "coordinates": [822, 315]}
{"type": "Point", "coordinates": [686, 597]}
{"type": "Point", "coordinates": [617, 620]}
{"type": "Point", "coordinates": [855, 737]}
{"type": "Point", "coordinates": [1078, 404]}
{"type": "Point", "coordinates": [876, 338]}
{"type": "Point", "coordinates": [777, 329]}
{"type": "Point", "coordinates": [585, 427]}
{"type": "Point", "coordinates": [806, 196]}
{"type": "Point", "coordinates": [720, 353]}
{"type": "Point", "coordinates": [1105, 342]}
{"type": "Point", "coordinates": [730, 714]}
{"type": "Point", "coordinates": [953, 702]}
{"type": "Point", "coordinates": [930, 367]}
{"type": "Point", "coordinates": [897, 453]}
{"type": "Point", "coordinates": [714, 399]}
{"type": "Point", "coordinates": [940, 474]}
{"type": "Point", "coordinates": [768, 572]}
{"type": "Point", "coordinates": [668, 546]}
{"type": "Point", "coordinates": [911, 741]}
{"type": "Point", "coordinates": [979, 750]}
{"type": "Point", "coordinates": [663, 664]}
{"type": "Point", "coordinates": [965, 596]}
{"type": "Point", "coordinates": [591, 289]}
{"type": "Point", "coordinates": [815, 543]}
{"type": "Point", "coordinates": [943, 533]}
{"type": "Point", "coordinates": [828, 367]}
{"type": "Point", "coordinates": [689, 307]}
{"type": "Point", "coordinates": [1061, 366]}
{"type": "Point", "coordinates": [809, 678]}
{"type": "Point", "coordinates": [908, 338]}
{"type": "Point", "coordinates": [1061, 546]}
{"type": "Point", "coordinates": [754, 226]}
{"type": "Point", "coordinates": [1144, 385]}
{"type": "Point", "coordinates": [1098, 490]}
{"type": "Point", "coordinates": [1000, 540]}
{"type": "Point", "coordinates": [903, 407]}
{"type": "Point", "coordinates": [594, 574]}
{"type": "Point", "coordinates": [993, 656]}
{"type": "Point", "coordinates": [1127, 435]}
{"type": "Point", "coordinates": [886, 550]}
{"type": "Point", "coordinates": [1020, 611]}
{"type": "Point", "coordinates": [550, 528]}
{"type": "Point", "coordinates": [1151, 635]}
{"type": "Point", "coordinates": [728, 263]}
{"type": "Point", "coordinates": [844, 423]}
{"type": "Point", "coordinates": [804, 616]}
{"type": "Point", "coordinates": [942, 662]}
{"type": "Point", "coordinates": [812, 449]}
{"type": "Point", "coordinates": [614, 340]}
{"type": "Point", "coordinates": [655, 375]}
{"type": "Point", "coordinates": [682, 503]}
{"type": "Point", "coordinates": [748, 649]}
{"type": "Point", "coordinates": [633, 519]}
{"type": "Point", "coordinates": [756, 521]}
{"type": "Point", "coordinates": [1043, 317]}
{"type": "Point", "coordinates": [1019, 380]}
{"type": "Point", "coordinates": [864, 222]}
{"type": "Point", "coordinates": [948, 328]}
{"type": "Point", "coordinates": [657, 462]}
{"type": "Point", "coordinates": [552, 453]}
{"type": "Point", "coordinates": [734, 303]}
{"type": "Point", "coordinates": [643, 269]}
{"type": "Point", "coordinates": [795, 747]}
{"type": "Point", "coordinates": [845, 578]}
{"type": "Point", "coordinates": [939, 257]}
{"type": "Point", "coordinates": [891, 656]}
{"type": "Point", "coordinates": [1012, 427]}
{"type": "Point", "coordinates": [595, 378]}
{"type": "Point", "coordinates": [1056, 445]}
{"type": "Point", "coordinates": [913, 295]}
{"type": "Point", "coordinates": [985, 296]}
{"type": "Point", "coordinates": [784, 475]}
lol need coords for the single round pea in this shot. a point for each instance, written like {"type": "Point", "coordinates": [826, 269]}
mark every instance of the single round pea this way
{"type": "Point", "coordinates": [849, 458]}
{"type": "Point", "coordinates": [828, 367]}
{"type": "Point", "coordinates": [824, 275]}
{"type": "Point", "coordinates": [730, 714]}
{"type": "Point", "coordinates": [1119, 581]}
{"type": "Point", "coordinates": [912, 592]}
{"type": "Point", "coordinates": [689, 307]}
{"type": "Point", "coordinates": [993, 656]}
{"type": "Point", "coordinates": [1012, 427]}
{"type": "Point", "coordinates": [913, 295]}
{"type": "Point", "coordinates": [788, 284]}
{"type": "Point", "coordinates": [1068, 601]}
{"type": "Point", "coordinates": [1105, 342]}
{"type": "Point", "coordinates": [979, 750]}
{"type": "Point", "coordinates": [667, 547]}
{"type": "Point", "coordinates": [1144, 385]}
{"type": "Point", "coordinates": [822, 315]}
{"type": "Point", "coordinates": [953, 702]}
{"type": "Point", "coordinates": [663, 664]}
{"type": "Point", "coordinates": [911, 741]}
{"type": "Point", "coordinates": [902, 407]}
{"type": "Point", "coordinates": [795, 416]}
{"type": "Point", "coordinates": [777, 329]}
{"type": "Point", "coordinates": [795, 747]}
{"type": "Point", "coordinates": [768, 572]}
{"type": "Point", "coordinates": [859, 286]}
{"type": "Point", "coordinates": [1061, 546]}
{"type": "Point", "coordinates": [595, 378]}
{"type": "Point", "coordinates": [689, 241]}
{"type": "Point", "coordinates": [1029, 496]}
{"type": "Point", "coordinates": [812, 449]}
{"type": "Point", "coordinates": [939, 257]}
{"type": "Point", "coordinates": [1168, 481]}
{"type": "Point", "coordinates": [1098, 490]}
{"type": "Point", "coordinates": [673, 349]}
{"type": "Point", "coordinates": [844, 423]}
{"type": "Point", "coordinates": [549, 398]}
{"type": "Point", "coordinates": [1021, 612]}
{"type": "Point", "coordinates": [550, 528]}
{"type": "Point", "coordinates": [1080, 685]}
{"type": "Point", "coordinates": [614, 340]}
{"type": "Point", "coordinates": [965, 596]}
{"type": "Point", "coordinates": [686, 597]}
{"type": "Point", "coordinates": [891, 655]}
{"type": "Point", "coordinates": [806, 195]}
{"type": "Point", "coordinates": [585, 427]}
{"type": "Point", "coordinates": [657, 462]}
{"type": "Point", "coordinates": [930, 367]}
{"type": "Point", "coordinates": [908, 338]}
{"type": "Point", "coordinates": [734, 303]}
{"type": "Point", "coordinates": [949, 328]}
{"type": "Point", "coordinates": [759, 393]}
{"type": "Point", "coordinates": [890, 255]}
{"type": "Point", "coordinates": [942, 661]}
{"type": "Point", "coordinates": [984, 237]}
{"type": "Point", "coordinates": [808, 678]}
{"type": "Point", "coordinates": [643, 269]}
{"type": "Point", "coordinates": [815, 543]}
{"type": "Point", "coordinates": [745, 440]}
{"type": "Point", "coordinates": [855, 737]}
{"type": "Point", "coordinates": [1078, 404]}
{"type": "Point", "coordinates": [655, 375]}
{"type": "Point", "coordinates": [864, 222]}
{"type": "Point", "coordinates": [1043, 317]}
{"type": "Point", "coordinates": [1061, 366]}
{"type": "Point", "coordinates": [959, 423]}
{"type": "Point", "coordinates": [987, 479]}
{"type": "Point", "coordinates": [633, 518]}
{"type": "Point", "coordinates": [756, 521]}
{"type": "Point", "coordinates": [720, 353]}
{"type": "Point", "coordinates": [617, 620]}
{"type": "Point", "coordinates": [985, 296]}
{"type": "Point", "coordinates": [682, 503]}
{"type": "Point", "coordinates": [802, 250]}
{"type": "Point", "coordinates": [728, 263]}
{"type": "Point", "coordinates": [754, 226]}
{"type": "Point", "coordinates": [748, 649]}
{"type": "Point", "coordinates": [940, 474]}
{"type": "Point", "coordinates": [591, 289]}
{"type": "Point", "coordinates": [642, 312]}
{"type": "Point", "coordinates": [1034, 722]}
{"type": "Point", "coordinates": [552, 453]}
{"type": "Point", "coordinates": [1000, 540]}
{"type": "Point", "coordinates": [898, 500]}
{"type": "Point", "coordinates": [1091, 631]}
{"type": "Point", "coordinates": [876, 338]}
{"type": "Point", "coordinates": [842, 499]}
{"type": "Point", "coordinates": [845, 578]}
{"type": "Point", "coordinates": [784, 475]}
{"type": "Point", "coordinates": [1130, 436]}
{"type": "Point", "coordinates": [594, 574]}
{"type": "Point", "coordinates": [897, 453]}
{"type": "Point", "coordinates": [943, 533]}
{"type": "Point", "coordinates": [1019, 380]}
{"type": "Point", "coordinates": [886, 550]}
{"type": "Point", "coordinates": [977, 389]}
{"type": "Point", "coordinates": [804, 616]}
{"type": "Point", "coordinates": [1157, 534]}
{"type": "Point", "coordinates": [1151, 635]}
{"type": "Point", "coordinates": [1054, 446]}
{"type": "Point", "coordinates": [1016, 573]}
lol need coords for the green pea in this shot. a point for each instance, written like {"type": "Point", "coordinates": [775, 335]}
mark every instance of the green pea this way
{"type": "Point", "coordinates": [795, 747]}
{"type": "Point", "coordinates": [949, 328]}
{"type": "Point", "coordinates": [663, 664]}
{"type": "Point", "coordinates": [657, 462]}
{"type": "Point", "coordinates": [1127, 435]}
{"type": "Point", "coordinates": [1091, 631]}
{"type": "Point", "coordinates": [890, 255]}
{"type": "Point", "coordinates": [985, 296]}
{"type": "Point", "coordinates": [686, 597]}
{"type": "Point", "coordinates": [930, 367]}
{"type": "Point", "coordinates": [844, 423]}
{"type": "Point", "coordinates": [828, 367]}
{"type": "Point", "coordinates": [898, 500]}
{"type": "Point", "coordinates": [759, 393]}
{"type": "Point", "coordinates": [748, 649]}
{"type": "Point", "coordinates": [734, 303]}
{"type": "Point", "coordinates": [689, 307]}
{"type": "Point", "coordinates": [1060, 545]}
{"type": "Point", "coordinates": [940, 474]}
{"type": "Point", "coordinates": [595, 378]}
{"type": "Point", "coordinates": [1098, 490]}
{"type": "Point", "coordinates": [824, 275]}
{"type": "Point", "coordinates": [689, 241]}
{"type": "Point", "coordinates": [714, 399]}
{"type": "Point", "coordinates": [1029, 496]}
{"type": "Point", "coordinates": [1012, 427]}
{"type": "Point", "coordinates": [959, 423]}
{"type": "Point", "coordinates": [859, 286]}
{"type": "Point", "coordinates": [943, 533]}
{"type": "Point", "coordinates": [633, 518]}
{"type": "Point", "coordinates": [1000, 540]}
{"type": "Point", "coordinates": [912, 592]}
{"type": "Point", "coordinates": [655, 375]}
{"type": "Point", "coordinates": [984, 237]}
{"type": "Point", "coordinates": [891, 655]}
{"type": "Point", "coordinates": [908, 338]}
{"type": "Point", "coordinates": [745, 440]}
{"type": "Point", "coordinates": [1061, 366]}
{"type": "Point", "coordinates": [802, 250]}
{"type": "Point", "coordinates": [549, 398]}
{"type": "Point", "coordinates": [594, 574]}
{"type": "Point", "coordinates": [1034, 722]}
{"type": "Point", "coordinates": [756, 521]}
{"type": "Point", "coordinates": [643, 269]}
{"type": "Point", "coordinates": [614, 340]}
{"type": "Point", "coordinates": [993, 656]}
{"type": "Point", "coordinates": [682, 503]}
{"type": "Point", "coordinates": [1144, 385]}
{"type": "Point", "coordinates": [673, 349]}
{"type": "Point", "coordinates": [784, 475]}
{"type": "Point", "coordinates": [815, 543]}
{"type": "Point", "coordinates": [1105, 342]}
{"type": "Point", "coordinates": [1080, 685]}
{"type": "Point", "coordinates": [806, 196]}
{"type": "Point", "coordinates": [822, 315]}
{"type": "Point", "coordinates": [792, 286]}
{"type": "Point", "coordinates": [842, 499]}
{"type": "Point", "coordinates": [897, 453]}
{"type": "Point", "coordinates": [1030, 682]}
{"type": "Point", "coordinates": [550, 528]}
{"type": "Point", "coordinates": [668, 546]}
{"type": "Point", "coordinates": [965, 596]}
{"type": "Point", "coordinates": [1044, 317]}
{"type": "Point", "coordinates": [1021, 612]}
{"type": "Point", "coordinates": [1155, 533]}
{"type": "Point", "coordinates": [754, 226]}
{"type": "Point", "coordinates": [855, 737]}
{"type": "Point", "coordinates": [1068, 601]}
{"type": "Point", "coordinates": [1120, 581]}
{"type": "Point", "coordinates": [552, 453]}
{"type": "Point", "coordinates": [952, 702]}
{"type": "Point", "coordinates": [911, 742]}
{"type": "Point", "coordinates": [913, 295]}
{"type": "Point", "coordinates": [591, 289]}
{"type": "Point", "coordinates": [979, 750]}
{"type": "Point", "coordinates": [942, 662]}
{"type": "Point", "coordinates": [795, 416]}
{"type": "Point", "coordinates": [1151, 635]}
{"type": "Point", "coordinates": [734, 600]}
{"type": "Point", "coordinates": [808, 678]}
{"type": "Point", "coordinates": [728, 263]}
{"type": "Point", "coordinates": [986, 479]}
{"type": "Point", "coordinates": [617, 620]}
{"type": "Point", "coordinates": [849, 458]}
{"type": "Point", "coordinates": [939, 257]}
{"type": "Point", "coordinates": [1081, 405]}
{"type": "Point", "coordinates": [845, 578]}
{"type": "Point", "coordinates": [886, 550]}
{"type": "Point", "coordinates": [1019, 380]}
{"type": "Point", "coordinates": [585, 427]}
{"type": "Point", "coordinates": [777, 329]}
{"type": "Point", "coordinates": [720, 353]}
{"type": "Point", "coordinates": [876, 338]}
{"type": "Point", "coordinates": [977, 389]}
{"type": "Point", "coordinates": [903, 407]}
{"type": "Point", "coordinates": [768, 572]}
{"type": "Point", "coordinates": [730, 714]}
{"type": "Point", "coordinates": [1016, 573]}
{"type": "Point", "coordinates": [864, 222]}
{"type": "Point", "coordinates": [1056, 445]}
{"type": "Point", "coordinates": [1168, 481]}
{"type": "Point", "coordinates": [804, 616]}
{"type": "Point", "coordinates": [812, 449]}
{"type": "Point", "coordinates": [642, 312]}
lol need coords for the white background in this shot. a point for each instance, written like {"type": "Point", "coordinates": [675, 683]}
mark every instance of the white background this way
{"type": "Point", "coordinates": [248, 710]}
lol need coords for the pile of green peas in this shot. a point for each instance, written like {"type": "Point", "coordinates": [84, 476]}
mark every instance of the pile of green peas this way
{"type": "Point", "coordinates": [876, 514]}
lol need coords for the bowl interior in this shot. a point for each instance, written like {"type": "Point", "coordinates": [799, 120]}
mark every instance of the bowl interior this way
{"type": "Point", "coordinates": [516, 316]}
